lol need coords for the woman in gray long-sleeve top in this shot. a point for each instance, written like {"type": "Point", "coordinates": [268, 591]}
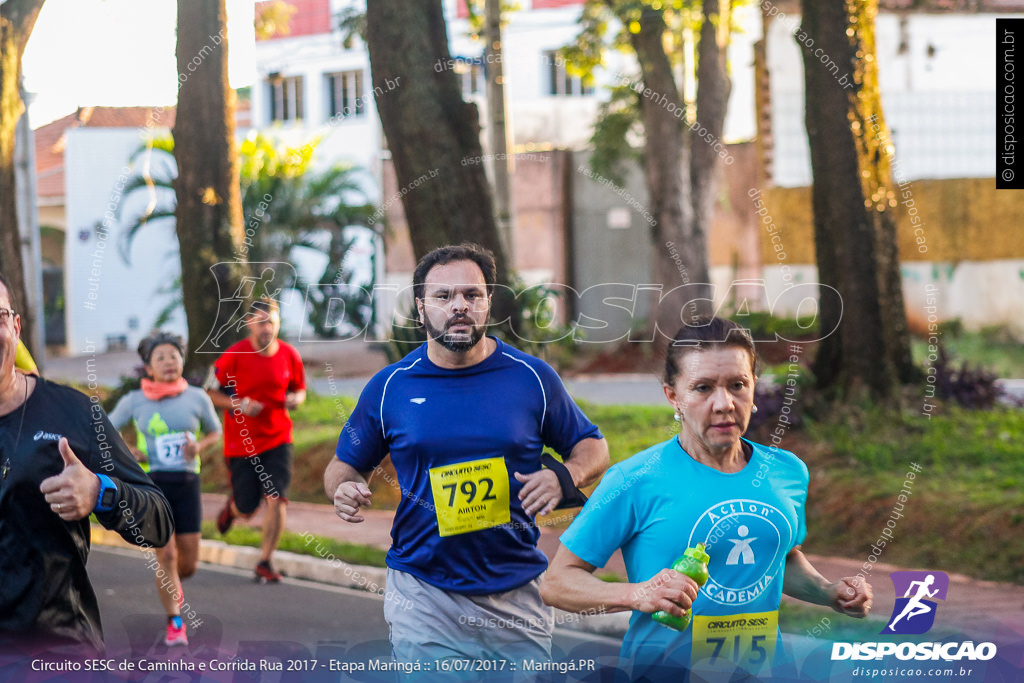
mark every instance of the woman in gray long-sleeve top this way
{"type": "Point", "coordinates": [168, 414]}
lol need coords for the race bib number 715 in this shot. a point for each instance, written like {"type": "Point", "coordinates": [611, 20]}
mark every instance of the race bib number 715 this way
{"type": "Point", "coordinates": [747, 640]}
{"type": "Point", "coordinates": [470, 496]}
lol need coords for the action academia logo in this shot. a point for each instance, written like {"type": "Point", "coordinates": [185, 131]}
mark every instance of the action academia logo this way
{"type": "Point", "coordinates": [914, 613]}
{"type": "Point", "coordinates": [746, 538]}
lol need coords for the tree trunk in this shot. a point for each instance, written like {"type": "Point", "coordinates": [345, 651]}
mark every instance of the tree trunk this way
{"type": "Point", "coordinates": [713, 88]}
{"type": "Point", "coordinates": [853, 199]}
{"type": "Point", "coordinates": [209, 211]}
{"type": "Point", "coordinates": [433, 135]}
{"type": "Point", "coordinates": [494, 65]}
{"type": "Point", "coordinates": [667, 171]}
{"type": "Point", "coordinates": [17, 18]}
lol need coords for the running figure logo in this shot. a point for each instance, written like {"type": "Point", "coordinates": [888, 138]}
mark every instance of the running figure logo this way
{"type": "Point", "coordinates": [741, 552]}
{"type": "Point", "coordinates": [233, 314]}
{"type": "Point", "coordinates": [913, 613]}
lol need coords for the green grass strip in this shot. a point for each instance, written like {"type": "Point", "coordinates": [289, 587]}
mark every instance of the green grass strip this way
{"type": "Point", "coordinates": [308, 544]}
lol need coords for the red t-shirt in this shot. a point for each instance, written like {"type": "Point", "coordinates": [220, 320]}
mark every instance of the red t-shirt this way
{"type": "Point", "coordinates": [261, 378]}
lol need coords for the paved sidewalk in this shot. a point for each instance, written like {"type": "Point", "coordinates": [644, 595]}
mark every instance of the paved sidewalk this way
{"type": "Point", "coordinates": [985, 610]}
{"type": "Point", "coordinates": [335, 359]}
{"type": "Point", "coordinates": [342, 368]}
{"type": "Point", "coordinates": [375, 531]}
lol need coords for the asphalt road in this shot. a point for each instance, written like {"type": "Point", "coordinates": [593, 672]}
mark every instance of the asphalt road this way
{"type": "Point", "coordinates": [301, 631]}
{"type": "Point", "coordinates": [235, 616]}
{"type": "Point", "coordinates": [310, 627]}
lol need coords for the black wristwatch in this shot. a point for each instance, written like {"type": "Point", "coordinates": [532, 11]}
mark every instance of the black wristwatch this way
{"type": "Point", "coordinates": [108, 494]}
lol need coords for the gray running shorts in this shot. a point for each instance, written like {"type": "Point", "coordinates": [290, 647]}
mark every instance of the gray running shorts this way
{"type": "Point", "coordinates": [429, 624]}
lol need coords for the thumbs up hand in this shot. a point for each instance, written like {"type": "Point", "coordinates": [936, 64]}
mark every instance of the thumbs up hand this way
{"type": "Point", "coordinates": [73, 493]}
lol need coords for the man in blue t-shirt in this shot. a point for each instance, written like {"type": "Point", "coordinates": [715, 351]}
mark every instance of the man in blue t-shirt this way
{"type": "Point", "coordinates": [465, 418]}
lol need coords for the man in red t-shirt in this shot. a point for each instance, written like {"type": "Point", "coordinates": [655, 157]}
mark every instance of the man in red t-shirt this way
{"type": "Point", "coordinates": [258, 380]}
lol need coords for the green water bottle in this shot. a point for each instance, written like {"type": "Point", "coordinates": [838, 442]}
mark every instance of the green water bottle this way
{"type": "Point", "coordinates": [693, 563]}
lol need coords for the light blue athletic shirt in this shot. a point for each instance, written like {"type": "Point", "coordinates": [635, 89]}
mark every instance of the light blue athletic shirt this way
{"type": "Point", "coordinates": [456, 438]}
{"type": "Point", "coordinates": [661, 501]}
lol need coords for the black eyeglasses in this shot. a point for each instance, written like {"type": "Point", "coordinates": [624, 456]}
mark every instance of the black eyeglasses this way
{"type": "Point", "coordinates": [7, 313]}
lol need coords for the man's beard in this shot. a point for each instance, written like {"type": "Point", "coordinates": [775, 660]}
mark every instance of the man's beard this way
{"type": "Point", "coordinates": [444, 338]}
{"type": "Point", "coordinates": [263, 342]}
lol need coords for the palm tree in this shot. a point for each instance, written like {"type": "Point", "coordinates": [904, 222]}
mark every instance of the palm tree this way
{"type": "Point", "coordinates": [284, 204]}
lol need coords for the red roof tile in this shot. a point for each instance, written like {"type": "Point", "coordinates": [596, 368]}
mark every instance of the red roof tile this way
{"type": "Point", "coordinates": [50, 139]}
{"type": "Point", "coordinates": [310, 17]}
{"type": "Point", "coordinates": [546, 4]}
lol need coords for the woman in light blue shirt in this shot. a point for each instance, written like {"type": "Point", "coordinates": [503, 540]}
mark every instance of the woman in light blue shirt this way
{"type": "Point", "coordinates": [743, 500]}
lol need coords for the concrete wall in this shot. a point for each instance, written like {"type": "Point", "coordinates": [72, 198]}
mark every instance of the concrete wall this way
{"type": "Point", "coordinates": [607, 249]}
{"type": "Point", "coordinates": [540, 250]}
{"type": "Point", "coordinates": [538, 187]}
{"type": "Point", "coordinates": [977, 293]}
{"type": "Point", "coordinates": [601, 236]}
{"type": "Point", "coordinates": [958, 238]}
{"type": "Point", "coordinates": [610, 246]}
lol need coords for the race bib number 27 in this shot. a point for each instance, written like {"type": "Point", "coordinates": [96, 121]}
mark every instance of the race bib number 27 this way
{"type": "Point", "coordinates": [470, 496]}
{"type": "Point", "coordinates": [170, 450]}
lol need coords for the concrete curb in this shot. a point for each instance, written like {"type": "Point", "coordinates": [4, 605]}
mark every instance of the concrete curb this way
{"type": "Point", "coordinates": [326, 569]}
{"type": "Point", "coordinates": [330, 570]}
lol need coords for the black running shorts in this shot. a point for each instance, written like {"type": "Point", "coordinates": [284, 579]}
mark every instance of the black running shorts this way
{"type": "Point", "coordinates": [265, 475]}
{"type": "Point", "coordinates": [182, 491]}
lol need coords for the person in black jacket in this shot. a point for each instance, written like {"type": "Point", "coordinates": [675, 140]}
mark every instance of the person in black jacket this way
{"type": "Point", "coordinates": [60, 461]}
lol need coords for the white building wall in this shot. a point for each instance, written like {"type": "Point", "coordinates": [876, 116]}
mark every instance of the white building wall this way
{"type": "Point", "coordinates": [352, 140]}
{"type": "Point", "coordinates": [566, 121]}
{"type": "Point", "coordinates": [109, 299]}
{"type": "Point", "coordinates": [977, 293]}
{"type": "Point", "coordinates": [937, 75]}
{"type": "Point", "coordinates": [535, 117]}
{"type": "Point", "coordinates": [741, 113]}
{"type": "Point", "coordinates": [106, 297]}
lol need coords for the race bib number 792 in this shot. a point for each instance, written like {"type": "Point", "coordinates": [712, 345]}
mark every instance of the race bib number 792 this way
{"type": "Point", "coordinates": [470, 496]}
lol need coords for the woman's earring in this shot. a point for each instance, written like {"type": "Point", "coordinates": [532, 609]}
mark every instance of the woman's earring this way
{"type": "Point", "coordinates": [753, 409]}
{"type": "Point", "coordinates": [676, 416]}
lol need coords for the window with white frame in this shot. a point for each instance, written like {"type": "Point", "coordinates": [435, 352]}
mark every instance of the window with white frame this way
{"type": "Point", "coordinates": [471, 77]}
{"type": "Point", "coordinates": [559, 80]}
{"type": "Point", "coordinates": [285, 95]}
{"type": "Point", "coordinates": [345, 98]}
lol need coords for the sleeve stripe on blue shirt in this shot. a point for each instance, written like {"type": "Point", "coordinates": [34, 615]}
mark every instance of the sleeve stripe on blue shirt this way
{"type": "Point", "coordinates": [384, 392]}
{"type": "Point", "coordinates": [542, 392]}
